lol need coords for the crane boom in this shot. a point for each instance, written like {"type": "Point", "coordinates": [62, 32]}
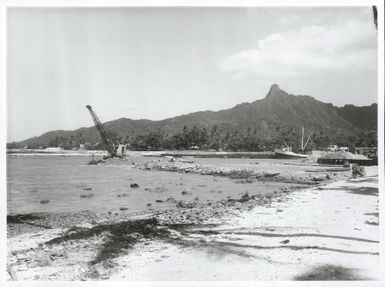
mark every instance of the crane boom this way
{"type": "Point", "coordinates": [108, 145]}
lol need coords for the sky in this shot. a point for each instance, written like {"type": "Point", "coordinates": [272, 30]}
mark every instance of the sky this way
{"type": "Point", "coordinates": [156, 63]}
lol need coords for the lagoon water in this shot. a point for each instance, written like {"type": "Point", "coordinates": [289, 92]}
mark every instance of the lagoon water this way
{"type": "Point", "coordinates": [59, 179]}
{"type": "Point", "coordinates": [62, 180]}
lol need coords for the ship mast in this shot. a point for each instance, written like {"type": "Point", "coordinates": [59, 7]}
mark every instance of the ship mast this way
{"type": "Point", "coordinates": [303, 146]}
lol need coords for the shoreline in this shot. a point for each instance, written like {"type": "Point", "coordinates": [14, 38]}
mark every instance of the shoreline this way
{"type": "Point", "coordinates": [169, 238]}
{"type": "Point", "coordinates": [121, 245]}
{"type": "Point", "coordinates": [139, 184]}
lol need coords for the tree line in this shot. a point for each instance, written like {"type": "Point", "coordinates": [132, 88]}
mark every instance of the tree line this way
{"type": "Point", "coordinates": [201, 138]}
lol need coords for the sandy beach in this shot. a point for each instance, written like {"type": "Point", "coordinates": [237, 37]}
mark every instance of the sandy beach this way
{"type": "Point", "coordinates": [156, 219]}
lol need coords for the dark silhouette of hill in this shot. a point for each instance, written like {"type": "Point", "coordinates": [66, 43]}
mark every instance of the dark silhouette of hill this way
{"type": "Point", "coordinates": [361, 117]}
{"type": "Point", "coordinates": [271, 116]}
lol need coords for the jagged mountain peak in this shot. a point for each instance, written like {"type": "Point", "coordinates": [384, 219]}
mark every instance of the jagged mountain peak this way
{"type": "Point", "coordinates": [274, 91]}
{"type": "Point", "coordinates": [277, 110]}
{"type": "Point", "coordinates": [274, 87]}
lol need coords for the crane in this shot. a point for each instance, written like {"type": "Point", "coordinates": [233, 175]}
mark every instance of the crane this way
{"type": "Point", "coordinates": [108, 145]}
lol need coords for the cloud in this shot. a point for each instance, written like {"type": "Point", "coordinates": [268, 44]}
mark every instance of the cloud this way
{"type": "Point", "coordinates": [308, 51]}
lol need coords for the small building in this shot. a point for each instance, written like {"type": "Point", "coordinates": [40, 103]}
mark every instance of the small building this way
{"type": "Point", "coordinates": [53, 149]}
{"type": "Point", "coordinates": [367, 151]}
{"type": "Point", "coordinates": [335, 148]}
{"type": "Point", "coordinates": [343, 157]}
{"type": "Point", "coordinates": [121, 150]}
{"type": "Point", "coordinates": [332, 148]}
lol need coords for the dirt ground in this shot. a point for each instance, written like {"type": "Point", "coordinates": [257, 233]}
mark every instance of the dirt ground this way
{"type": "Point", "coordinates": [153, 219]}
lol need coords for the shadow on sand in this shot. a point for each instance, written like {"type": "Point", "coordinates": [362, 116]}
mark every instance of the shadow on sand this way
{"type": "Point", "coordinates": [373, 191]}
{"type": "Point", "coordinates": [120, 237]}
{"type": "Point", "coordinates": [329, 272]}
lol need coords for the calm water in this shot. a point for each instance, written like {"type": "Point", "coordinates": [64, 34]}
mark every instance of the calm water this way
{"type": "Point", "coordinates": [63, 179]}
{"type": "Point", "coordinates": [60, 180]}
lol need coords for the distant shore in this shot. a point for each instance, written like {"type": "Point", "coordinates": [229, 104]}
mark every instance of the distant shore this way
{"type": "Point", "coordinates": [165, 153]}
{"type": "Point", "coordinates": [61, 152]}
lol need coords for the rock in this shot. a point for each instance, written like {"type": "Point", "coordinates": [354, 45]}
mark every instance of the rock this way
{"type": "Point", "coordinates": [271, 174]}
{"type": "Point", "coordinates": [87, 188]}
{"type": "Point", "coordinates": [171, 200]}
{"type": "Point", "coordinates": [148, 204]}
{"type": "Point", "coordinates": [73, 230]}
{"type": "Point", "coordinates": [358, 171]}
{"type": "Point", "coordinates": [245, 197]}
{"type": "Point", "coordinates": [160, 189]}
{"type": "Point", "coordinates": [327, 176]}
{"type": "Point", "coordinates": [44, 201]}
{"type": "Point", "coordinates": [148, 228]}
{"type": "Point", "coordinates": [159, 200]}
{"type": "Point", "coordinates": [134, 185]}
{"type": "Point", "coordinates": [123, 208]}
{"type": "Point", "coordinates": [285, 241]}
{"type": "Point", "coordinates": [95, 162]}
{"type": "Point", "coordinates": [316, 178]}
{"type": "Point", "coordinates": [88, 195]}
{"type": "Point", "coordinates": [42, 258]}
{"type": "Point", "coordinates": [252, 201]}
{"type": "Point", "coordinates": [181, 204]}
{"type": "Point", "coordinates": [186, 192]}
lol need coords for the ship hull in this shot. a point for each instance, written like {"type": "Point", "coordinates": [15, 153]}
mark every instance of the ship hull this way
{"type": "Point", "coordinates": [288, 154]}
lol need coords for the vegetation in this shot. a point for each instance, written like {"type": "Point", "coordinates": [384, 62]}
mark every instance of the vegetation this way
{"type": "Point", "coordinates": [201, 138]}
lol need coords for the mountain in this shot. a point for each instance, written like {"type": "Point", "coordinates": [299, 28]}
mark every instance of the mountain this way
{"type": "Point", "coordinates": [361, 117]}
{"type": "Point", "coordinates": [276, 114]}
